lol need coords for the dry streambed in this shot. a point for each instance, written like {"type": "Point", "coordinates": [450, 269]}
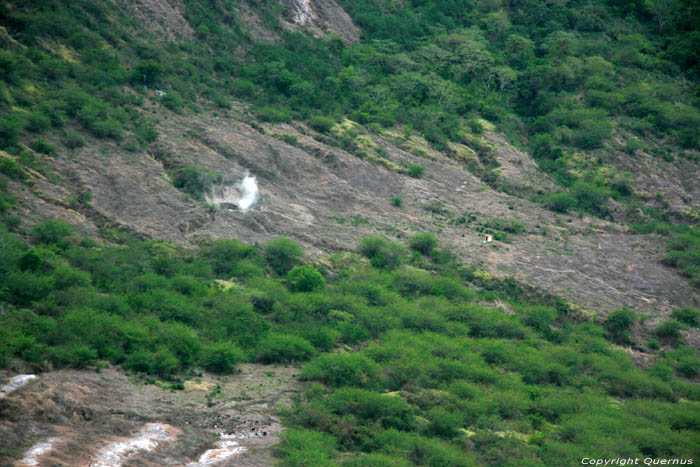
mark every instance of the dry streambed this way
{"type": "Point", "coordinates": [89, 419]}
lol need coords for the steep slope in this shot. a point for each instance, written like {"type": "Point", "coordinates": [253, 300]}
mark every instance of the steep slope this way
{"type": "Point", "coordinates": [551, 149]}
{"type": "Point", "coordinates": [327, 199]}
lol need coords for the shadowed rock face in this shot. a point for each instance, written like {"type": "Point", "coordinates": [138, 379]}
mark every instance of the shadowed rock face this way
{"type": "Point", "coordinates": [327, 199]}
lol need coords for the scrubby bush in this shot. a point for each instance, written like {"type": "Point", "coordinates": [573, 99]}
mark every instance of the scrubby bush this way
{"type": "Point", "coordinates": [382, 253]}
{"type": "Point", "coordinates": [423, 242]}
{"type": "Point", "coordinates": [342, 370]}
{"type": "Point", "coordinates": [44, 147]}
{"type": "Point", "coordinates": [396, 201]}
{"type": "Point", "coordinates": [9, 167]}
{"type": "Point", "coordinates": [322, 124]}
{"type": "Point", "coordinates": [221, 357]}
{"type": "Point", "coordinates": [225, 255]}
{"type": "Point", "coordinates": [302, 448]}
{"type": "Point", "coordinates": [194, 180]}
{"type": "Point", "coordinates": [282, 254]}
{"type": "Point", "coordinates": [687, 316]}
{"type": "Point", "coordinates": [305, 278]}
{"type": "Point", "coordinates": [53, 232]}
{"type": "Point", "coordinates": [669, 329]}
{"type": "Point", "coordinates": [618, 323]}
{"type": "Point", "coordinates": [591, 197]}
{"type": "Point", "coordinates": [10, 127]}
{"type": "Point", "coordinates": [415, 170]}
{"type": "Point", "coordinates": [173, 101]}
{"type": "Point", "coordinates": [25, 288]}
{"type": "Point", "coordinates": [273, 114]}
{"type": "Point", "coordinates": [389, 411]}
{"type": "Point", "coordinates": [141, 361]}
{"type": "Point", "coordinates": [279, 348]}
{"type": "Point", "coordinates": [559, 201]}
{"type": "Point", "coordinates": [444, 423]}
{"type": "Point", "coordinates": [411, 282]}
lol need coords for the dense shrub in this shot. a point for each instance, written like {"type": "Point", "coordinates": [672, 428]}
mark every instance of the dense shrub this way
{"type": "Point", "coordinates": [669, 329]}
{"type": "Point", "coordinates": [389, 411]}
{"type": "Point", "coordinates": [26, 287]}
{"type": "Point", "coordinates": [423, 242]}
{"type": "Point", "coordinates": [322, 124]}
{"type": "Point", "coordinates": [559, 201]}
{"type": "Point", "coordinates": [591, 197]}
{"type": "Point", "coordinates": [284, 348]}
{"type": "Point", "coordinates": [272, 114]}
{"type": "Point", "coordinates": [301, 448]}
{"type": "Point", "coordinates": [282, 254]}
{"type": "Point", "coordinates": [194, 180]}
{"type": "Point", "coordinates": [225, 255]}
{"type": "Point", "coordinates": [9, 167]}
{"type": "Point", "coordinates": [382, 253]}
{"type": "Point", "coordinates": [443, 423]}
{"type": "Point", "coordinates": [305, 278]}
{"type": "Point", "coordinates": [687, 316]}
{"type": "Point", "coordinates": [341, 370]}
{"type": "Point", "coordinates": [221, 357]}
{"type": "Point", "coordinates": [51, 232]}
{"type": "Point", "coordinates": [415, 170]}
{"type": "Point", "coordinates": [618, 323]}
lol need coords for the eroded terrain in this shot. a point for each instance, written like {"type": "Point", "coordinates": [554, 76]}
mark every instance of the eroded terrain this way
{"type": "Point", "coordinates": [107, 418]}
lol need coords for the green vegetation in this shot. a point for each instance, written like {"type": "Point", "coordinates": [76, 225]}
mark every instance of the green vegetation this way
{"type": "Point", "coordinates": [618, 324]}
{"type": "Point", "coordinates": [683, 250]}
{"type": "Point", "coordinates": [195, 180]}
{"type": "Point", "coordinates": [423, 243]}
{"type": "Point", "coordinates": [407, 361]}
{"type": "Point", "coordinates": [415, 170]}
{"type": "Point", "coordinates": [688, 316]}
{"type": "Point", "coordinates": [559, 81]}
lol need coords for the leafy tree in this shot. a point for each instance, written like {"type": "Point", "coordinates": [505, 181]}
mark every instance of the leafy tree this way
{"type": "Point", "coordinates": [53, 232]}
{"type": "Point", "coordinates": [687, 316]}
{"type": "Point", "coordinates": [382, 253]}
{"type": "Point", "coordinates": [423, 242]}
{"type": "Point", "coordinates": [221, 357]}
{"type": "Point", "coordinates": [278, 348]}
{"type": "Point", "coordinates": [282, 254]}
{"type": "Point", "coordinates": [305, 278]}
{"type": "Point", "coordinates": [618, 323]}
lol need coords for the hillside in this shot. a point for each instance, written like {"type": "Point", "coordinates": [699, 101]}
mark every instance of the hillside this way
{"type": "Point", "coordinates": [568, 133]}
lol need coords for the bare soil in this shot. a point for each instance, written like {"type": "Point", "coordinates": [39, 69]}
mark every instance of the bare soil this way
{"type": "Point", "coordinates": [84, 414]}
{"type": "Point", "coordinates": [327, 199]}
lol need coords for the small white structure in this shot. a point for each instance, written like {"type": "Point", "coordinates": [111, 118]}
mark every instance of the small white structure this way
{"type": "Point", "coordinates": [488, 238]}
{"type": "Point", "coordinates": [160, 93]}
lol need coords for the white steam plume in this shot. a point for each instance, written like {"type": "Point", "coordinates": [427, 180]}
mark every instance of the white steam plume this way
{"type": "Point", "coordinates": [243, 195]}
{"type": "Point", "coordinates": [249, 192]}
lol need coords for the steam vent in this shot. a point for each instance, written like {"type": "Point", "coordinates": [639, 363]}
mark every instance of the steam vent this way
{"type": "Point", "coordinates": [369, 233]}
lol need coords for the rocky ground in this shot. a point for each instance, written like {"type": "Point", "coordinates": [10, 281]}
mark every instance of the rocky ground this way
{"type": "Point", "coordinates": [327, 199]}
{"type": "Point", "coordinates": [107, 418]}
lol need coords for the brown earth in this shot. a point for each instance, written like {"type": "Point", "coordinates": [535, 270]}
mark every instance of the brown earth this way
{"type": "Point", "coordinates": [164, 18]}
{"type": "Point", "coordinates": [86, 410]}
{"type": "Point", "coordinates": [327, 199]}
